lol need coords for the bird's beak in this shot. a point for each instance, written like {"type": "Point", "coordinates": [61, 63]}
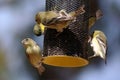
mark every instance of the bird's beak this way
{"type": "Point", "coordinates": [22, 41]}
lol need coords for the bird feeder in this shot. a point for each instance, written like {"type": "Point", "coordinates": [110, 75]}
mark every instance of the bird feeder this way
{"type": "Point", "coordinates": [68, 48]}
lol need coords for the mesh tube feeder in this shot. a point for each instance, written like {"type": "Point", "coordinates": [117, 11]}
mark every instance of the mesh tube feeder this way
{"type": "Point", "coordinates": [69, 48]}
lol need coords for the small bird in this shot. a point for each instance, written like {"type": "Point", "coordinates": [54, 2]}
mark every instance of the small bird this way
{"type": "Point", "coordinates": [33, 53]}
{"type": "Point", "coordinates": [39, 29]}
{"type": "Point", "coordinates": [58, 19]}
{"type": "Point", "coordinates": [92, 19]}
{"type": "Point", "coordinates": [99, 44]}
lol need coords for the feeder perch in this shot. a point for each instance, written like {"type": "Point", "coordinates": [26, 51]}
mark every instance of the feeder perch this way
{"type": "Point", "coordinates": [65, 61]}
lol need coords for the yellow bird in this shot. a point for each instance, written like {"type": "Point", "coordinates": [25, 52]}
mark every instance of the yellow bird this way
{"type": "Point", "coordinates": [33, 53]}
{"type": "Point", "coordinates": [99, 44]}
{"type": "Point", "coordinates": [58, 19]}
{"type": "Point", "coordinates": [92, 19]}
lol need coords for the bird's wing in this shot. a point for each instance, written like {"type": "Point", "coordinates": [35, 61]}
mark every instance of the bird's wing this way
{"type": "Point", "coordinates": [102, 44]}
{"type": "Point", "coordinates": [36, 49]}
{"type": "Point", "coordinates": [58, 20]}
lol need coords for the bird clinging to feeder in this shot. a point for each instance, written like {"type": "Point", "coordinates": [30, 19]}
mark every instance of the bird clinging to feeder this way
{"type": "Point", "coordinates": [99, 44]}
{"type": "Point", "coordinates": [58, 19]}
{"type": "Point", "coordinates": [92, 19]}
{"type": "Point", "coordinates": [34, 54]}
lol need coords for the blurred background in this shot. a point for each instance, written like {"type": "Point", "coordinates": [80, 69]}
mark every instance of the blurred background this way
{"type": "Point", "coordinates": [16, 23]}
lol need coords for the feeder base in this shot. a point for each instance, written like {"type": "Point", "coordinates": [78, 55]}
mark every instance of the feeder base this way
{"type": "Point", "coordinates": [65, 61]}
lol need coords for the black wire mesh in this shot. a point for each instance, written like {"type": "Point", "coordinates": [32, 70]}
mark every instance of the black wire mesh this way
{"type": "Point", "coordinates": [73, 40]}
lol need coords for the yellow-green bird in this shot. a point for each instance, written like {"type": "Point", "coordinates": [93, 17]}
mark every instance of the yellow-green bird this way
{"type": "Point", "coordinates": [47, 18]}
{"type": "Point", "coordinates": [58, 19]}
{"type": "Point", "coordinates": [92, 19]}
{"type": "Point", "coordinates": [99, 44]}
{"type": "Point", "coordinates": [33, 53]}
{"type": "Point", "coordinates": [39, 29]}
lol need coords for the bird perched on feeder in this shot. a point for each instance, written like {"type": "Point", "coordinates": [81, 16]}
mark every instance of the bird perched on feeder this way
{"type": "Point", "coordinates": [33, 53]}
{"type": "Point", "coordinates": [92, 19]}
{"type": "Point", "coordinates": [58, 19]}
{"type": "Point", "coordinates": [99, 44]}
{"type": "Point", "coordinates": [39, 29]}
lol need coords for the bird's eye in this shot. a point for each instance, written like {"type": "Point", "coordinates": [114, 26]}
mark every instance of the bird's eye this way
{"type": "Point", "coordinates": [27, 39]}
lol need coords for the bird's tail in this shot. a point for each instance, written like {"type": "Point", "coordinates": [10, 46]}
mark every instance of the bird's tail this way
{"type": "Point", "coordinates": [41, 69]}
{"type": "Point", "coordinates": [105, 60]}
